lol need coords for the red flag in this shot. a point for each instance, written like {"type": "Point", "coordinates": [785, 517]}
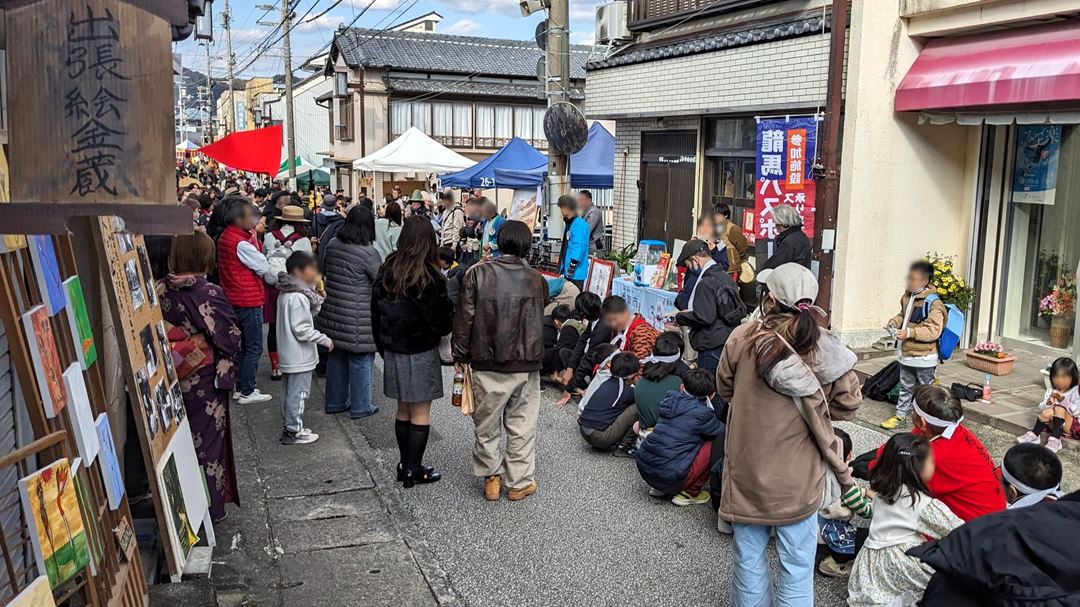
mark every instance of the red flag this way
{"type": "Point", "coordinates": [258, 151]}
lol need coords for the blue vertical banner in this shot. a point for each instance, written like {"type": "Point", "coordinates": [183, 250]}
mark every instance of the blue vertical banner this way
{"type": "Point", "coordinates": [785, 174]}
{"type": "Point", "coordinates": [1036, 165]}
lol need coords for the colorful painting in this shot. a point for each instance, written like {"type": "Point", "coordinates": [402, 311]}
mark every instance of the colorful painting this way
{"type": "Point", "coordinates": [39, 336]}
{"type": "Point", "coordinates": [79, 320]}
{"type": "Point", "coordinates": [97, 549]}
{"type": "Point", "coordinates": [47, 271]}
{"type": "Point", "coordinates": [54, 521]}
{"type": "Point", "coordinates": [110, 466]}
{"type": "Point", "coordinates": [37, 594]}
{"type": "Point", "coordinates": [81, 414]}
{"type": "Point", "coordinates": [11, 242]}
{"type": "Point", "coordinates": [181, 534]}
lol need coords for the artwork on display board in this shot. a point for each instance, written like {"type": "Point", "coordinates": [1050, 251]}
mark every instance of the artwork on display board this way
{"type": "Point", "coordinates": [1036, 165]}
{"type": "Point", "coordinates": [176, 396]}
{"type": "Point", "coordinates": [166, 351]}
{"type": "Point", "coordinates": [37, 594]}
{"type": "Point", "coordinates": [47, 272]}
{"type": "Point", "coordinates": [109, 464]}
{"type": "Point", "coordinates": [523, 207]}
{"type": "Point", "coordinates": [660, 275]}
{"type": "Point", "coordinates": [81, 414]}
{"type": "Point", "coordinates": [180, 528]}
{"type": "Point", "coordinates": [134, 286]}
{"type": "Point", "coordinates": [93, 541]}
{"type": "Point", "coordinates": [79, 321]}
{"type": "Point", "coordinates": [153, 424]}
{"type": "Point", "coordinates": [124, 239]}
{"type": "Point", "coordinates": [164, 403]}
{"type": "Point", "coordinates": [601, 273]}
{"type": "Point", "coordinates": [54, 521]}
{"type": "Point", "coordinates": [785, 174]}
{"type": "Point", "coordinates": [150, 351]}
{"type": "Point", "coordinates": [39, 337]}
{"type": "Point", "coordinates": [148, 276]}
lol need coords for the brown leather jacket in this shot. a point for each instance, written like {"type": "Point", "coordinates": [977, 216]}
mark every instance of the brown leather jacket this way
{"type": "Point", "coordinates": [499, 321]}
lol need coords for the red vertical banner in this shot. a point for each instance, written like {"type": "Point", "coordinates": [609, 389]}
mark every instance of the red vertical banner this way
{"type": "Point", "coordinates": [785, 175]}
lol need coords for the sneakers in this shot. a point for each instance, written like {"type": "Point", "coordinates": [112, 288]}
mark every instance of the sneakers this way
{"type": "Point", "coordinates": [516, 495]}
{"type": "Point", "coordinates": [626, 451]}
{"type": "Point", "coordinates": [254, 398]}
{"type": "Point", "coordinates": [685, 499]}
{"type": "Point", "coordinates": [1054, 444]}
{"type": "Point", "coordinates": [892, 422]}
{"type": "Point", "coordinates": [1027, 437]}
{"type": "Point", "coordinates": [493, 488]}
{"type": "Point", "coordinates": [830, 568]}
{"type": "Point", "coordinates": [302, 437]}
{"type": "Point", "coordinates": [655, 493]}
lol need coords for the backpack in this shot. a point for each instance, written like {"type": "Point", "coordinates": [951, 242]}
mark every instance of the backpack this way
{"type": "Point", "coordinates": [951, 332]}
{"type": "Point", "coordinates": [879, 385]}
{"type": "Point", "coordinates": [276, 260]}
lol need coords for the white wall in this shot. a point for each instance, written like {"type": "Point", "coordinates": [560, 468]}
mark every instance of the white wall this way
{"type": "Point", "coordinates": [312, 124]}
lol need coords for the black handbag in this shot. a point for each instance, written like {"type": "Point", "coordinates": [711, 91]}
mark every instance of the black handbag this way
{"type": "Point", "coordinates": [968, 392]}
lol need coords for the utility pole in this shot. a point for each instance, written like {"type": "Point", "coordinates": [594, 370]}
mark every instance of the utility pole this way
{"type": "Point", "coordinates": [558, 89]}
{"type": "Point", "coordinates": [208, 124]}
{"type": "Point", "coordinates": [226, 22]}
{"type": "Point", "coordinates": [290, 131]}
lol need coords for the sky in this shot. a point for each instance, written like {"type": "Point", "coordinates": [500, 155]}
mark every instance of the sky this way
{"type": "Point", "coordinates": [313, 33]}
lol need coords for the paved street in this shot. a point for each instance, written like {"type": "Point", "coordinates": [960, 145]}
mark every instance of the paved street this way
{"type": "Point", "coordinates": [326, 524]}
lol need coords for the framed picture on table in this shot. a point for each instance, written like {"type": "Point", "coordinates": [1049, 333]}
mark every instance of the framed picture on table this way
{"type": "Point", "coordinates": [601, 273]}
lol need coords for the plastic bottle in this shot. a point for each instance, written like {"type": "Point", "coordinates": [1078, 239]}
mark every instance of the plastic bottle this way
{"type": "Point", "coordinates": [459, 388]}
{"type": "Point", "coordinates": [986, 387]}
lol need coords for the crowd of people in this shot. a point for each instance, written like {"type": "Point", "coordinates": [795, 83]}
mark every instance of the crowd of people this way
{"type": "Point", "coordinates": [725, 406]}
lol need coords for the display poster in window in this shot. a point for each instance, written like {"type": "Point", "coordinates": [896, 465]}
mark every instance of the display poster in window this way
{"type": "Point", "coordinates": [1036, 165]}
{"type": "Point", "coordinates": [784, 174]}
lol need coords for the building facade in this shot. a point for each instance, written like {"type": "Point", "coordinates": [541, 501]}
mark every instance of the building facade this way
{"type": "Point", "coordinates": [312, 136]}
{"type": "Point", "coordinates": [469, 93]}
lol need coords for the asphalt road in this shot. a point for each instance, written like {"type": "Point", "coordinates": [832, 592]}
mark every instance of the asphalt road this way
{"type": "Point", "coordinates": [590, 536]}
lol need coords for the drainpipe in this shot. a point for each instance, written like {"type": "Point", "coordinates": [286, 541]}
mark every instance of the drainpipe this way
{"type": "Point", "coordinates": [829, 199]}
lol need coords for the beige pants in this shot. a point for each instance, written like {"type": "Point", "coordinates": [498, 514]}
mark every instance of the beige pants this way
{"type": "Point", "coordinates": [507, 402]}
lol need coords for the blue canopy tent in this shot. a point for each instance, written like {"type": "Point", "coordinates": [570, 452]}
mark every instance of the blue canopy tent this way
{"type": "Point", "coordinates": [514, 155]}
{"type": "Point", "coordinates": [592, 167]}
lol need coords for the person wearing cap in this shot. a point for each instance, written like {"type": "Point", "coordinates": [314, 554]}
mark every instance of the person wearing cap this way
{"type": "Point", "coordinates": [791, 244]}
{"type": "Point", "coordinates": [785, 380]}
{"type": "Point", "coordinates": [451, 220]}
{"type": "Point", "coordinates": [286, 233]}
{"type": "Point", "coordinates": [574, 256]}
{"type": "Point", "coordinates": [714, 307]}
{"type": "Point", "coordinates": [326, 216]}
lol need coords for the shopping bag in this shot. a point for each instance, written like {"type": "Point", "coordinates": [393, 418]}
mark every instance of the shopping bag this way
{"type": "Point", "coordinates": [468, 404]}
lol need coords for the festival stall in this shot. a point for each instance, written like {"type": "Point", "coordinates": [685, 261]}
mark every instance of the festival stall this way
{"type": "Point", "coordinates": [413, 151]}
{"type": "Point", "coordinates": [186, 150]}
{"type": "Point", "coordinates": [307, 175]}
{"type": "Point", "coordinates": [592, 167]}
{"type": "Point", "coordinates": [516, 155]}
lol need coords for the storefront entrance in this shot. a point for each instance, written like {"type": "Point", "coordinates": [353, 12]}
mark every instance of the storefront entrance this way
{"type": "Point", "coordinates": [667, 194]}
{"type": "Point", "coordinates": [730, 166]}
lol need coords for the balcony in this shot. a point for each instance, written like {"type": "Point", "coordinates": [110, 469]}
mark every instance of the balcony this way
{"type": "Point", "coordinates": [648, 13]}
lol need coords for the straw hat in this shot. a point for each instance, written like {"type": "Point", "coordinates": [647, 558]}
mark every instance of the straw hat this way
{"type": "Point", "coordinates": [293, 214]}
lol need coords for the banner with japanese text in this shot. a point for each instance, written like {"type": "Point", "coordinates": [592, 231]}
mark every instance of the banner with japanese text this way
{"type": "Point", "coordinates": [785, 175]}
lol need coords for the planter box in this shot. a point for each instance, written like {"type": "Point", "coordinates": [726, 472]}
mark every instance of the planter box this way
{"type": "Point", "coordinates": [989, 364]}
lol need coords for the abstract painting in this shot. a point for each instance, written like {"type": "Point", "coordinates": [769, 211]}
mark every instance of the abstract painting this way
{"type": "Point", "coordinates": [37, 594]}
{"type": "Point", "coordinates": [47, 271]}
{"type": "Point", "coordinates": [55, 522]}
{"type": "Point", "coordinates": [110, 466]}
{"type": "Point", "coordinates": [79, 321]}
{"type": "Point", "coordinates": [81, 413]}
{"type": "Point", "coordinates": [39, 336]}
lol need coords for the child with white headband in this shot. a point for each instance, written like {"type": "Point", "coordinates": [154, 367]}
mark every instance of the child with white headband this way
{"type": "Point", "coordinates": [1032, 475]}
{"type": "Point", "coordinates": [607, 411]}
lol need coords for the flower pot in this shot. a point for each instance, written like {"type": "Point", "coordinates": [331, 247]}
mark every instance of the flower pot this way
{"type": "Point", "coordinates": [989, 364]}
{"type": "Point", "coordinates": [1061, 328]}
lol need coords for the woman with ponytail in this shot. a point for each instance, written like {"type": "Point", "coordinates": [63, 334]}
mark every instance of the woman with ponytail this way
{"type": "Point", "coordinates": [786, 380]}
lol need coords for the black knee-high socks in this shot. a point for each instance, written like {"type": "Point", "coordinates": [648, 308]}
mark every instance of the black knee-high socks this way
{"type": "Point", "coordinates": [418, 437]}
{"type": "Point", "coordinates": [401, 432]}
{"type": "Point", "coordinates": [1056, 427]}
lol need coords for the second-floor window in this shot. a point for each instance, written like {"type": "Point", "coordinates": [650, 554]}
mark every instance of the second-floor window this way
{"type": "Point", "coordinates": [344, 123]}
{"type": "Point", "coordinates": [464, 124]}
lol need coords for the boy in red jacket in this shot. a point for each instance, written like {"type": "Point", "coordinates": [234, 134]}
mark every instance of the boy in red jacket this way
{"type": "Point", "coordinates": [964, 477]}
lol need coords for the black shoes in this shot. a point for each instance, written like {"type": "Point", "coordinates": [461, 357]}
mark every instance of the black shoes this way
{"type": "Point", "coordinates": [427, 475]}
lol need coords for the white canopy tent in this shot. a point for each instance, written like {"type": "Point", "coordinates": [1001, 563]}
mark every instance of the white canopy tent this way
{"type": "Point", "coordinates": [187, 146]}
{"type": "Point", "coordinates": [415, 152]}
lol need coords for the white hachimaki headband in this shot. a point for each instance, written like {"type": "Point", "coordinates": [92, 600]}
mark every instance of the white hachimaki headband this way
{"type": "Point", "coordinates": [653, 358]}
{"type": "Point", "coordinates": [622, 383]}
{"type": "Point", "coordinates": [950, 427]}
{"type": "Point", "coordinates": [1031, 496]}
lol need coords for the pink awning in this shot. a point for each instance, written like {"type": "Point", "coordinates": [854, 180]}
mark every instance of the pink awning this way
{"type": "Point", "coordinates": [1018, 66]}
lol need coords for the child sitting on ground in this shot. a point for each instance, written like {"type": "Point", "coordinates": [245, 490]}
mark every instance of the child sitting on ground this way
{"type": "Point", "coordinates": [607, 409]}
{"type": "Point", "coordinates": [561, 334]}
{"type": "Point", "coordinates": [965, 478]}
{"type": "Point", "coordinates": [659, 376]}
{"type": "Point", "coordinates": [836, 532]}
{"type": "Point", "coordinates": [298, 343]}
{"type": "Point", "coordinates": [904, 517]}
{"type": "Point", "coordinates": [1032, 475]}
{"type": "Point", "coordinates": [1060, 407]}
{"type": "Point", "coordinates": [674, 458]}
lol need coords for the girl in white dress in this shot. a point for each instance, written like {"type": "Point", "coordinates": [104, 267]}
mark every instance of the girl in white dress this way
{"type": "Point", "coordinates": [904, 516]}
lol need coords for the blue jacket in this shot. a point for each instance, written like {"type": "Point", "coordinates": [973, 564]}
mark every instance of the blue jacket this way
{"type": "Point", "coordinates": [576, 247]}
{"type": "Point", "coordinates": [685, 423]}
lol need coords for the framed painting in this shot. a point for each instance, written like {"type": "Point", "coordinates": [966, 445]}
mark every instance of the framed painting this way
{"type": "Point", "coordinates": [180, 529]}
{"type": "Point", "coordinates": [39, 337]}
{"type": "Point", "coordinates": [79, 321]}
{"type": "Point", "coordinates": [37, 594]}
{"type": "Point", "coordinates": [110, 466]}
{"type": "Point", "coordinates": [601, 273]}
{"type": "Point", "coordinates": [47, 272]}
{"type": "Point", "coordinates": [81, 414]}
{"type": "Point", "coordinates": [55, 522]}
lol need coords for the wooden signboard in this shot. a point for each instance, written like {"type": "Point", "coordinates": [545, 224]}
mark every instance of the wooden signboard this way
{"type": "Point", "coordinates": [92, 117]}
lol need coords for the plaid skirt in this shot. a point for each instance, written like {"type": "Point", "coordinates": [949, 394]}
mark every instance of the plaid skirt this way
{"type": "Point", "coordinates": [412, 378]}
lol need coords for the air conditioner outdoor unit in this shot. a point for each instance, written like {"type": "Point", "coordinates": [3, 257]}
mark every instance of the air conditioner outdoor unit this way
{"type": "Point", "coordinates": [611, 22]}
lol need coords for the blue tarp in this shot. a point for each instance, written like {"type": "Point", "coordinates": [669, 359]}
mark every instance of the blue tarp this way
{"type": "Point", "coordinates": [516, 155]}
{"type": "Point", "coordinates": [592, 167]}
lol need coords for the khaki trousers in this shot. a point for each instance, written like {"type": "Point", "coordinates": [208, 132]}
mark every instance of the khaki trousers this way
{"type": "Point", "coordinates": [507, 402]}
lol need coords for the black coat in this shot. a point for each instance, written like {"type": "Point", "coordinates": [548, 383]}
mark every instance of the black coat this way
{"type": "Point", "coordinates": [1013, 557]}
{"type": "Point", "coordinates": [413, 323]}
{"type": "Point", "coordinates": [685, 423]}
{"type": "Point", "coordinates": [346, 314]}
{"type": "Point", "coordinates": [581, 361]}
{"type": "Point", "coordinates": [718, 309]}
{"type": "Point", "coordinates": [792, 246]}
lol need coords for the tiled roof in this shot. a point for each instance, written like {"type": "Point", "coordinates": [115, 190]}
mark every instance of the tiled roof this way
{"type": "Point", "coordinates": [471, 88]}
{"type": "Point", "coordinates": [426, 52]}
{"type": "Point", "coordinates": [709, 42]}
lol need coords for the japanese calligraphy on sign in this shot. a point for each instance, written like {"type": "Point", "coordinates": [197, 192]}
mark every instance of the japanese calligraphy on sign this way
{"type": "Point", "coordinates": [785, 162]}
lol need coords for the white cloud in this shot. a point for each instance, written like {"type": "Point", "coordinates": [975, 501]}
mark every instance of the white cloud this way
{"type": "Point", "coordinates": [379, 5]}
{"type": "Point", "coordinates": [584, 11]}
{"type": "Point", "coordinates": [463, 27]}
{"type": "Point", "coordinates": [471, 7]}
{"type": "Point", "coordinates": [325, 23]}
